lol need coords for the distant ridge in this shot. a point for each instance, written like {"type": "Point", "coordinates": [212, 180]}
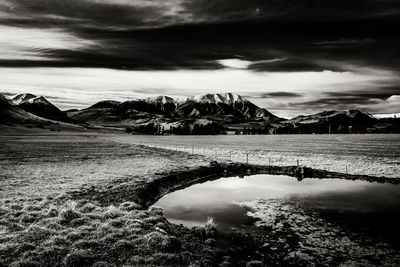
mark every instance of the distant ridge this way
{"type": "Point", "coordinates": [222, 105]}
{"type": "Point", "coordinates": [12, 115]}
{"type": "Point", "coordinates": [200, 114]}
{"type": "Point", "coordinates": [39, 106]}
{"type": "Point", "coordinates": [333, 121]}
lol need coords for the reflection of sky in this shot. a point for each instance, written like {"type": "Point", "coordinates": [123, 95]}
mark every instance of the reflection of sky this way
{"type": "Point", "coordinates": [195, 203]}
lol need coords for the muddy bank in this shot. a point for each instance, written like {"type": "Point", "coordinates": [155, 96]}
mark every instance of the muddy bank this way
{"type": "Point", "coordinates": [148, 193]}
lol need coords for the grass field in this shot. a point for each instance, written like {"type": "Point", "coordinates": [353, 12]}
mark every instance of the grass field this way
{"type": "Point", "coordinates": [44, 223]}
{"type": "Point", "coordinates": [40, 225]}
{"type": "Point", "coordinates": [376, 155]}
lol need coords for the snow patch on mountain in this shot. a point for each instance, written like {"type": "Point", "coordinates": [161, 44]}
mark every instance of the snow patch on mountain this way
{"type": "Point", "coordinates": [390, 115]}
{"type": "Point", "coordinates": [30, 99]}
{"type": "Point", "coordinates": [227, 98]}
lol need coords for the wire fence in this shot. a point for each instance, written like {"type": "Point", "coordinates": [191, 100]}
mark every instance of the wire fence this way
{"type": "Point", "coordinates": [262, 157]}
{"type": "Point", "coordinates": [225, 155]}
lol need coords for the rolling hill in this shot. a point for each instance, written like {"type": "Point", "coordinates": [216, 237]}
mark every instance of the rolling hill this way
{"type": "Point", "coordinates": [12, 115]}
{"type": "Point", "coordinates": [202, 114]}
{"type": "Point", "coordinates": [39, 106]}
{"type": "Point", "coordinates": [226, 108]}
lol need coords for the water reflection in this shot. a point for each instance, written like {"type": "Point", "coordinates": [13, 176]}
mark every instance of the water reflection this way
{"type": "Point", "coordinates": [192, 205]}
{"type": "Point", "coordinates": [329, 221]}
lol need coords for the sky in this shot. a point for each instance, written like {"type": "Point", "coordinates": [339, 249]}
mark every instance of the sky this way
{"type": "Point", "coordinates": [289, 56]}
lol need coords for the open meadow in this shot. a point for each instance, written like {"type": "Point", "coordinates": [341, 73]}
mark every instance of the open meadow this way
{"type": "Point", "coordinates": [52, 184]}
{"type": "Point", "coordinates": [41, 225]}
{"type": "Point", "coordinates": [374, 154]}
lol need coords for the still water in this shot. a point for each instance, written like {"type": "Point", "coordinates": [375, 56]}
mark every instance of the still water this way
{"type": "Point", "coordinates": [359, 204]}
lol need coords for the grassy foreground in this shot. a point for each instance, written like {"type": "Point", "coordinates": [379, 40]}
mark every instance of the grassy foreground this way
{"type": "Point", "coordinates": [81, 200]}
{"type": "Point", "coordinates": [41, 225]}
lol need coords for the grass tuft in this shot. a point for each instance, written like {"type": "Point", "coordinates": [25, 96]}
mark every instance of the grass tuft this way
{"type": "Point", "coordinates": [68, 213]}
{"type": "Point", "coordinates": [156, 211]}
{"type": "Point", "coordinates": [88, 207]}
{"type": "Point", "coordinates": [113, 212]}
{"type": "Point", "coordinates": [129, 206]}
{"type": "Point", "coordinates": [52, 212]}
{"type": "Point", "coordinates": [124, 244]}
{"type": "Point", "coordinates": [78, 257]}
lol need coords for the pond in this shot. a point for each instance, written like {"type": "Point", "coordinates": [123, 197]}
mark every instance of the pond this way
{"type": "Point", "coordinates": [319, 212]}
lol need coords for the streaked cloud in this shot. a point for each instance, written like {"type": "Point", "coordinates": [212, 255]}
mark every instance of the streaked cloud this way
{"type": "Point", "coordinates": [295, 56]}
{"type": "Point", "coordinates": [31, 44]}
{"type": "Point", "coordinates": [302, 92]}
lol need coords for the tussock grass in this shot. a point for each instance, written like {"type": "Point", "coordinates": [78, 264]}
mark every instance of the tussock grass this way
{"type": "Point", "coordinates": [88, 207]}
{"type": "Point", "coordinates": [129, 206]}
{"type": "Point", "coordinates": [68, 213]}
{"type": "Point", "coordinates": [113, 212]}
{"type": "Point", "coordinates": [72, 233]}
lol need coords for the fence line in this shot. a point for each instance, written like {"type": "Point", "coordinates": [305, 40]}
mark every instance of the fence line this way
{"type": "Point", "coordinates": [244, 156]}
{"type": "Point", "coordinates": [214, 153]}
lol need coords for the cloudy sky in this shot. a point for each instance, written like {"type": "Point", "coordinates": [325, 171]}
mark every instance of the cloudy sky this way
{"type": "Point", "coordinates": [289, 56]}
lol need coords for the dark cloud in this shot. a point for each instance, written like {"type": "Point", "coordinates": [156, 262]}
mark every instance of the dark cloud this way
{"type": "Point", "coordinates": [293, 63]}
{"type": "Point", "coordinates": [183, 34]}
{"type": "Point", "coordinates": [120, 14]}
{"type": "Point", "coordinates": [291, 10]}
{"type": "Point", "coordinates": [368, 100]}
{"type": "Point", "coordinates": [381, 94]}
{"type": "Point", "coordinates": [199, 46]}
{"type": "Point", "coordinates": [7, 94]}
{"type": "Point", "coordinates": [85, 13]}
{"type": "Point", "coordinates": [335, 103]}
{"type": "Point", "coordinates": [344, 43]}
{"type": "Point", "coordinates": [280, 95]}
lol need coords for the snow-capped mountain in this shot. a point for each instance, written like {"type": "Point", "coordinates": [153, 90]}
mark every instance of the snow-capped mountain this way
{"type": "Point", "coordinates": [228, 98]}
{"type": "Point", "coordinates": [223, 105]}
{"type": "Point", "coordinates": [209, 113]}
{"type": "Point", "coordinates": [21, 98]}
{"type": "Point", "coordinates": [333, 121]}
{"type": "Point", "coordinates": [387, 115]}
{"type": "Point", "coordinates": [218, 105]}
{"type": "Point", "coordinates": [340, 116]}
{"type": "Point", "coordinates": [12, 115]}
{"type": "Point", "coordinates": [39, 106]}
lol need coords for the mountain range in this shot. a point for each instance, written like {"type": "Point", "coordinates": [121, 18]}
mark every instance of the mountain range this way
{"type": "Point", "coordinates": [39, 106]}
{"type": "Point", "coordinates": [202, 114]}
{"type": "Point", "coordinates": [32, 112]}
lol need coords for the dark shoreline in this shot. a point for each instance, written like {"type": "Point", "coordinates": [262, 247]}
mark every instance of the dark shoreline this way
{"type": "Point", "coordinates": [164, 183]}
